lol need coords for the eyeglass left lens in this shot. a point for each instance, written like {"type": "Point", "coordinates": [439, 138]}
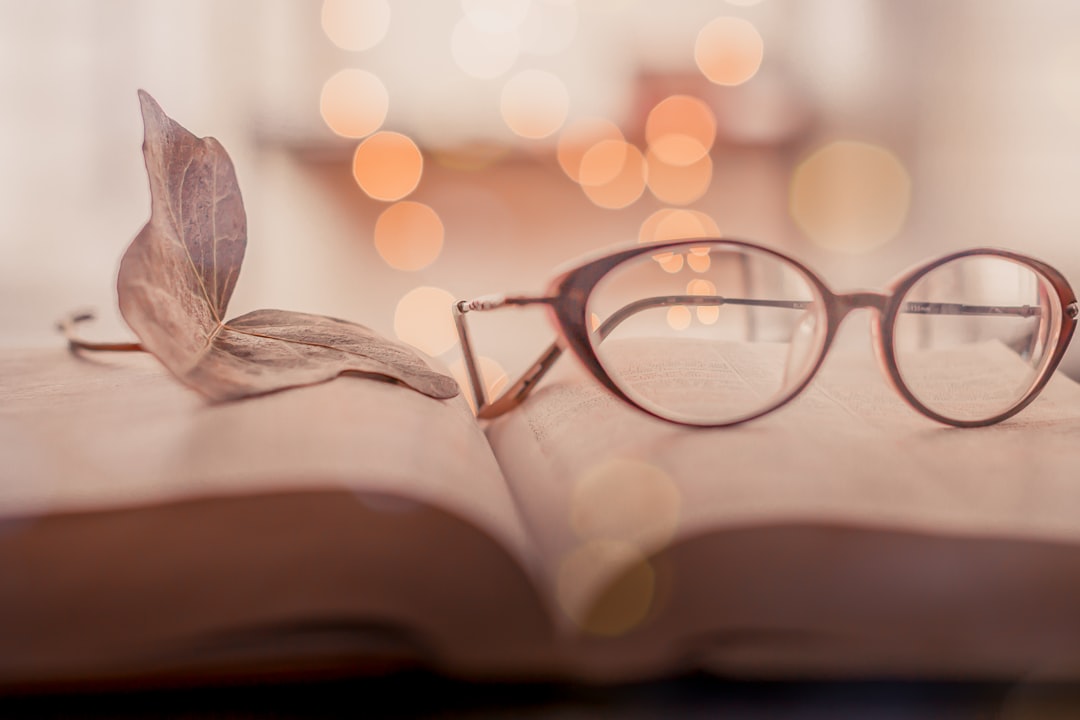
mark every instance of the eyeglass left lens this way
{"type": "Point", "coordinates": [971, 336]}
{"type": "Point", "coordinates": [707, 333]}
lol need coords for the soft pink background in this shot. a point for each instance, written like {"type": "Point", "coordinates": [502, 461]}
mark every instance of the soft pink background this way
{"type": "Point", "coordinates": [978, 98]}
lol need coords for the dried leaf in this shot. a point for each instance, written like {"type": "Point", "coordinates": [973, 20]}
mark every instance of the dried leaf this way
{"type": "Point", "coordinates": [177, 276]}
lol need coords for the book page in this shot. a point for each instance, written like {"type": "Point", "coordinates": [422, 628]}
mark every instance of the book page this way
{"type": "Point", "coordinates": [111, 430]}
{"type": "Point", "coordinates": [605, 488]}
{"type": "Point", "coordinates": [147, 533]}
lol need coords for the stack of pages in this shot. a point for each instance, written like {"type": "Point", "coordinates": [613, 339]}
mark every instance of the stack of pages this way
{"type": "Point", "coordinates": [359, 526]}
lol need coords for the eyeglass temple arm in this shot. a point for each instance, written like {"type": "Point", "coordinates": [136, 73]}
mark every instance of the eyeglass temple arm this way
{"type": "Point", "coordinates": [936, 308]}
{"type": "Point", "coordinates": [521, 388]}
{"type": "Point", "coordinates": [919, 308]}
{"type": "Point", "coordinates": [516, 393]}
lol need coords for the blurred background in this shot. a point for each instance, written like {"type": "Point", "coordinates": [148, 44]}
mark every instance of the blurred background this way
{"type": "Point", "coordinates": [397, 154]}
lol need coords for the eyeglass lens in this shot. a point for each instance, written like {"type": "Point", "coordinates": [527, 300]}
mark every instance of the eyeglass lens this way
{"type": "Point", "coordinates": [971, 336]}
{"type": "Point", "coordinates": [706, 334]}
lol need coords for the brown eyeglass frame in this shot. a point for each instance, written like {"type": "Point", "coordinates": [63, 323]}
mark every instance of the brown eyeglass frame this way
{"type": "Point", "coordinates": [568, 294]}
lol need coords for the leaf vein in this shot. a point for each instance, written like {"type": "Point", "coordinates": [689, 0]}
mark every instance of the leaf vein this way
{"type": "Point", "coordinates": [213, 230]}
{"type": "Point", "coordinates": [182, 239]}
{"type": "Point", "coordinates": [301, 342]}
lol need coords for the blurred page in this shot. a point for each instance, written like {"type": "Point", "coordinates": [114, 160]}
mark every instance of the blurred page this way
{"type": "Point", "coordinates": [605, 487]}
{"type": "Point", "coordinates": [111, 430]}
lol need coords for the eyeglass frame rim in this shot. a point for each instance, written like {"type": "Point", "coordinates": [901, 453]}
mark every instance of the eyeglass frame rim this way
{"type": "Point", "coordinates": [567, 299]}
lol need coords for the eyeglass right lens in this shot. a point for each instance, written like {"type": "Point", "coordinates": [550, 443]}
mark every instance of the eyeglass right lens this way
{"type": "Point", "coordinates": [707, 333]}
{"type": "Point", "coordinates": [972, 335]}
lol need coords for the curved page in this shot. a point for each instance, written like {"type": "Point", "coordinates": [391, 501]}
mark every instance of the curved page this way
{"type": "Point", "coordinates": [612, 496]}
{"type": "Point", "coordinates": [140, 525]}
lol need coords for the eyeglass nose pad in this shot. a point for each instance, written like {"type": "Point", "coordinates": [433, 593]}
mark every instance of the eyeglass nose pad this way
{"type": "Point", "coordinates": [800, 350]}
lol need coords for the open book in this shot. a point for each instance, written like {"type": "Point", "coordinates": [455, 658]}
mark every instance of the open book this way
{"type": "Point", "coordinates": [360, 525]}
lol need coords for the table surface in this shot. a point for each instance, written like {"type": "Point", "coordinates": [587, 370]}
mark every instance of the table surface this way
{"type": "Point", "coordinates": [413, 695]}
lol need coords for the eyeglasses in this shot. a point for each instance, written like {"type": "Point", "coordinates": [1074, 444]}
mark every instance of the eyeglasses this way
{"type": "Point", "coordinates": [714, 332]}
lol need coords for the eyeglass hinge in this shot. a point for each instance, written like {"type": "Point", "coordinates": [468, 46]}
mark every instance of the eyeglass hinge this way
{"type": "Point", "coordinates": [1072, 310]}
{"type": "Point", "coordinates": [484, 302]}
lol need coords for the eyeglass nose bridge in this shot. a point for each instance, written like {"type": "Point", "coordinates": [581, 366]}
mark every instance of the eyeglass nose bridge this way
{"type": "Point", "coordinates": [842, 304]}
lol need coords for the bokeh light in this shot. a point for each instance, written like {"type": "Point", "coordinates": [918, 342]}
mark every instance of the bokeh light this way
{"type": "Point", "coordinates": [388, 166]}
{"type": "Point", "coordinates": [729, 50]}
{"type": "Point", "coordinates": [677, 223]}
{"type": "Point", "coordinates": [605, 587]}
{"type": "Point", "coordinates": [706, 314]}
{"type": "Point", "coordinates": [354, 103]}
{"type": "Point", "coordinates": [700, 286]}
{"type": "Point", "coordinates": [670, 262]}
{"type": "Point", "coordinates": [603, 162]}
{"type": "Point", "coordinates": [355, 24]}
{"type": "Point", "coordinates": [680, 130]}
{"type": "Point", "coordinates": [678, 184]}
{"type": "Point", "coordinates": [613, 174]}
{"type": "Point", "coordinates": [678, 317]}
{"type": "Point", "coordinates": [578, 138]}
{"type": "Point", "coordinates": [423, 319]}
{"type": "Point", "coordinates": [850, 196]}
{"type": "Point", "coordinates": [628, 500]}
{"type": "Point", "coordinates": [409, 235]}
{"type": "Point", "coordinates": [492, 374]}
{"type": "Point", "coordinates": [698, 259]}
{"type": "Point", "coordinates": [678, 149]}
{"type": "Point", "coordinates": [534, 103]}
{"type": "Point", "coordinates": [482, 54]}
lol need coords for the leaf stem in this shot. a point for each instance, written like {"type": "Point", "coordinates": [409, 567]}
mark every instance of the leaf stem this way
{"type": "Point", "coordinates": [67, 328]}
